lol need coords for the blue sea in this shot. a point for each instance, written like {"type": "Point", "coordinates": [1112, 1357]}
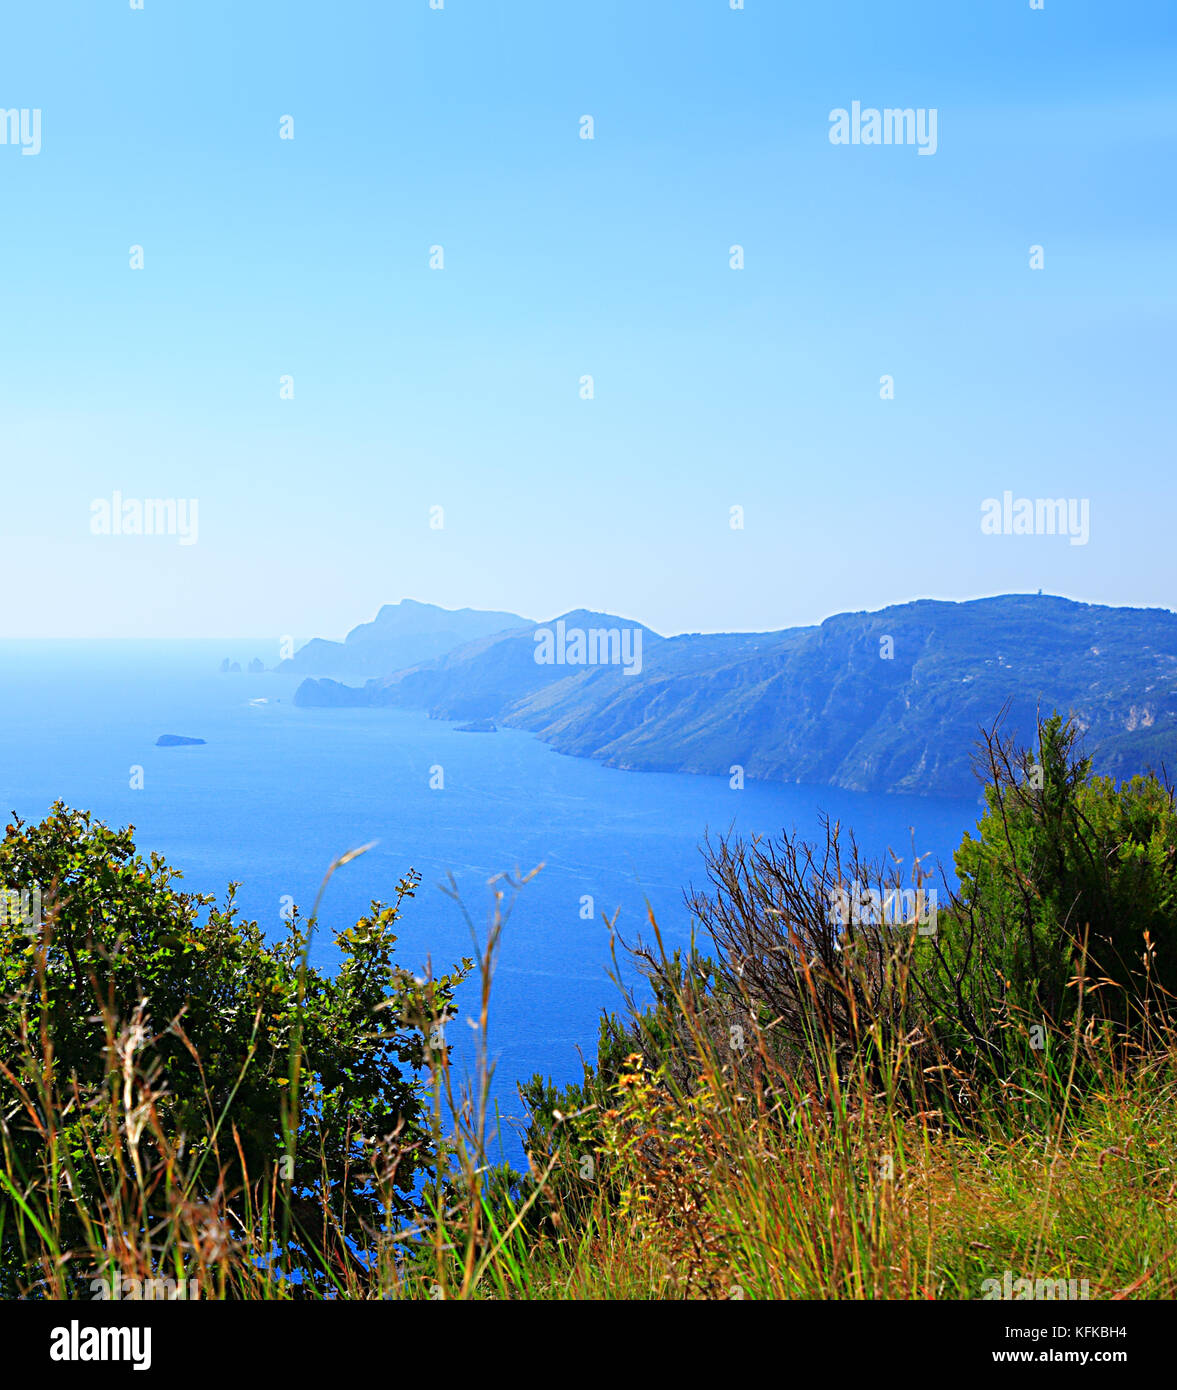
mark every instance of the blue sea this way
{"type": "Point", "coordinates": [276, 793]}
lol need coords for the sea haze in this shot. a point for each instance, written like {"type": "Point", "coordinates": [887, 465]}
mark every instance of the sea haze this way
{"type": "Point", "coordinates": [276, 792]}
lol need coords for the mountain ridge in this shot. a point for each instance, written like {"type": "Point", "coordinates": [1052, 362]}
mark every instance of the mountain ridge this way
{"type": "Point", "coordinates": [884, 701]}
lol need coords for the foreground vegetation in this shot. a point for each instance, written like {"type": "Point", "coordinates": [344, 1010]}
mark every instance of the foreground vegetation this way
{"type": "Point", "coordinates": [821, 1097]}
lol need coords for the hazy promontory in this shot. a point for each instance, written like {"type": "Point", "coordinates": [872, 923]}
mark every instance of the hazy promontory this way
{"type": "Point", "coordinates": [889, 701]}
{"type": "Point", "coordinates": [402, 634]}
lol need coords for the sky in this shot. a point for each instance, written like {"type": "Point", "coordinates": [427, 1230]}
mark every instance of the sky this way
{"type": "Point", "coordinates": [288, 358]}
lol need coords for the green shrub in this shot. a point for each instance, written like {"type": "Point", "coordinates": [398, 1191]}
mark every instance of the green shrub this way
{"type": "Point", "coordinates": [127, 979]}
{"type": "Point", "coordinates": [1068, 879]}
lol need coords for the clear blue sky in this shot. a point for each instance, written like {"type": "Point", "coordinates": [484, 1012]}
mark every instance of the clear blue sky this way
{"type": "Point", "coordinates": [565, 257]}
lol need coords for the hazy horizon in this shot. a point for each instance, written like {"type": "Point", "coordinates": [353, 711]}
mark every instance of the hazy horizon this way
{"type": "Point", "coordinates": [300, 638]}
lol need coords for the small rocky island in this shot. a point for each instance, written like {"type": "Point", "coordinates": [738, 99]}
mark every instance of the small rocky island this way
{"type": "Point", "coordinates": [175, 741]}
{"type": "Point", "coordinates": [478, 726]}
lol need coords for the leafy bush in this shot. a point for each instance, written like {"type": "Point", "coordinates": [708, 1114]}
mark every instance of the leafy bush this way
{"type": "Point", "coordinates": [224, 1053]}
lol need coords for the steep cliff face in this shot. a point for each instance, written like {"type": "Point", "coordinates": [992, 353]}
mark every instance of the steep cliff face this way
{"type": "Point", "coordinates": [889, 701]}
